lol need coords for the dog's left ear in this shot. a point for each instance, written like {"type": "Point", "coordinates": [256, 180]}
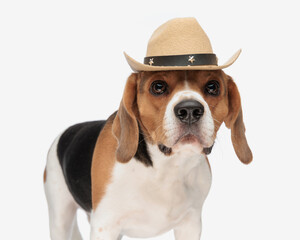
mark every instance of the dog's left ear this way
{"type": "Point", "coordinates": [125, 126]}
{"type": "Point", "coordinates": [234, 121]}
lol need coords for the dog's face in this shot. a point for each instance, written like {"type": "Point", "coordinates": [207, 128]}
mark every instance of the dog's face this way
{"type": "Point", "coordinates": [179, 108]}
{"type": "Point", "coordinates": [182, 107]}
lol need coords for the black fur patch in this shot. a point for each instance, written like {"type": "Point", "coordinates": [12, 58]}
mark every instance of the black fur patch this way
{"type": "Point", "coordinates": [164, 149]}
{"type": "Point", "coordinates": [142, 153]}
{"type": "Point", "coordinates": [207, 151]}
{"type": "Point", "coordinates": [75, 152]}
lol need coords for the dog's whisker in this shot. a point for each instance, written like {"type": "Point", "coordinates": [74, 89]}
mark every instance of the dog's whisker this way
{"type": "Point", "coordinates": [217, 120]}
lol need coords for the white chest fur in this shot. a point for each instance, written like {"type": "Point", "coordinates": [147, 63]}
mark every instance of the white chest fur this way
{"type": "Point", "coordinates": [147, 201]}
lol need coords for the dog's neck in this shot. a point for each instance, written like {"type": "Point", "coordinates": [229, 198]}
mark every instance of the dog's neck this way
{"type": "Point", "coordinates": [181, 162]}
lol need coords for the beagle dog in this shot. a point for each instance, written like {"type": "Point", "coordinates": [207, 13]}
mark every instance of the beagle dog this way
{"type": "Point", "coordinates": [144, 170]}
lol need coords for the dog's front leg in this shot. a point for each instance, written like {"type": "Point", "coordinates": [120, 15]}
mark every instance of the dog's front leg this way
{"type": "Point", "coordinates": [189, 228]}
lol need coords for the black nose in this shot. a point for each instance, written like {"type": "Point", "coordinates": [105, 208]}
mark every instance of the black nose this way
{"type": "Point", "coordinates": [189, 111]}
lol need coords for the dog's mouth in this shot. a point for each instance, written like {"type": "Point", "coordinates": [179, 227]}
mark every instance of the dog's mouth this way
{"type": "Point", "coordinates": [187, 138]}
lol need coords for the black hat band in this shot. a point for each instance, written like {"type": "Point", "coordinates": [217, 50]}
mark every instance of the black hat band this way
{"type": "Point", "coordinates": [182, 60]}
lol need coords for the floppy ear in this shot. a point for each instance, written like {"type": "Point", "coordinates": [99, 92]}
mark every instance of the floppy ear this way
{"type": "Point", "coordinates": [125, 126]}
{"type": "Point", "coordinates": [234, 121]}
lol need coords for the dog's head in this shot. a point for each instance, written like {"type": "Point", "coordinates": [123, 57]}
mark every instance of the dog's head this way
{"type": "Point", "coordinates": [174, 109]}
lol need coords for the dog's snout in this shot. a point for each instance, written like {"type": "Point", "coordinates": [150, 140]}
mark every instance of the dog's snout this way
{"type": "Point", "coordinates": [189, 111]}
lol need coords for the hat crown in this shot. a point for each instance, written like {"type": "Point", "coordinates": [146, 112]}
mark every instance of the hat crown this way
{"type": "Point", "coordinates": [179, 36]}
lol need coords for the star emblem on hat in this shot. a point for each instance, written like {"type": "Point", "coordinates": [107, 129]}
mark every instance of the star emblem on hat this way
{"type": "Point", "coordinates": [191, 59]}
{"type": "Point", "coordinates": [151, 61]}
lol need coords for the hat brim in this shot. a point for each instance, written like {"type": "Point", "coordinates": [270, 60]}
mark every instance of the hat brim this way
{"type": "Point", "coordinates": [139, 67]}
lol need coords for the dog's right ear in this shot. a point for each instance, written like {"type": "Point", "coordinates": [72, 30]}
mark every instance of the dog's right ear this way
{"type": "Point", "coordinates": [125, 126]}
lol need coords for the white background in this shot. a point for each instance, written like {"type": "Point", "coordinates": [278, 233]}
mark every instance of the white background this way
{"type": "Point", "coordinates": [61, 63]}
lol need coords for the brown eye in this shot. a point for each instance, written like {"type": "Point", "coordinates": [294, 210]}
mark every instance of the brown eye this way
{"type": "Point", "coordinates": [212, 88]}
{"type": "Point", "coordinates": [158, 87]}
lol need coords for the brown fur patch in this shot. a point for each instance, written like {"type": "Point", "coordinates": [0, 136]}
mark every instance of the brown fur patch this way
{"type": "Point", "coordinates": [45, 175]}
{"type": "Point", "coordinates": [125, 126]}
{"type": "Point", "coordinates": [235, 122]}
{"type": "Point", "coordinates": [104, 159]}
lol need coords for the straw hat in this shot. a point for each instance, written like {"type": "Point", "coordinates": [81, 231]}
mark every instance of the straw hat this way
{"type": "Point", "coordinates": [179, 44]}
